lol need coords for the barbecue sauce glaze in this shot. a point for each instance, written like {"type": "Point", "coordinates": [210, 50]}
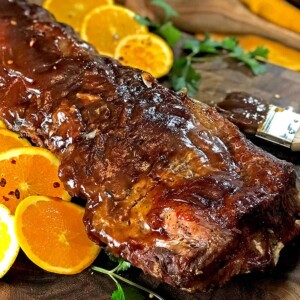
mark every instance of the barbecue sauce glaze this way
{"type": "Point", "coordinates": [244, 110]}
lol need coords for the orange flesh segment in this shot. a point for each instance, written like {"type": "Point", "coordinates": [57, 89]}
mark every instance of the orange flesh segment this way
{"type": "Point", "coordinates": [147, 52]}
{"type": "Point", "coordinates": [104, 27]}
{"type": "Point", "coordinates": [9, 246]}
{"type": "Point", "coordinates": [9, 139]}
{"type": "Point", "coordinates": [28, 174]}
{"type": "Point", "coordinates": [53, 236]}
{"type": "Point", "coordinates": [72, 12]}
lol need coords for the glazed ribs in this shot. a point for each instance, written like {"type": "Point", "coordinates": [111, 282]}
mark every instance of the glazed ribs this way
{"type": "Point", "coordinates": [171, 185]}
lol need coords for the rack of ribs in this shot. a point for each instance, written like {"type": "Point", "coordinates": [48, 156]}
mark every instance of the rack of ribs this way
{"type": "Point", "coordinates": [171, 185]}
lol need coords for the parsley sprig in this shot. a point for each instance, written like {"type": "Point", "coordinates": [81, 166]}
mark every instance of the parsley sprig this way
{"type": "Point", "coordinates": [183, 74]}
{"type": "Point", "coordinates": [123, 293]}
{"type": "Point", "coordinates": [169, 11]}
{"type": "Point", "coordinates": [165, 29]}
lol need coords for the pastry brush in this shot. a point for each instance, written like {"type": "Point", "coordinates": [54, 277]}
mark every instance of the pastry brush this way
{"type": "Point", "coordinates": [269, 122]}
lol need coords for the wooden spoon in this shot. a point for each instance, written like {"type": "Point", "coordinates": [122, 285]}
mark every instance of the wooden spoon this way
{"type": "Point", "coordinates": [221, 16]}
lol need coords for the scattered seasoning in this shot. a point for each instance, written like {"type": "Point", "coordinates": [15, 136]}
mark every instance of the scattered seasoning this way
{"type": "Point", "coordinates": [11, 193]}
{"type": "Point", "coordinates": [10, 62]}
{"type": "Point", "coordinates": [5, 198]}
{"type": "Point", "coordinates": [56, 185]}
{"type": "Point", "coordinates": [2, 182]}
{"type": "Point", "coordinates": [277, 96]}
{"type": "Point", "coordinates": [17, 194]}
{"type": "Point", "coordinates": [32, 42]}
{"type": "Point", "coordinates": [13, 22]}
{"type": "Point", "coordinates": [13, 161]}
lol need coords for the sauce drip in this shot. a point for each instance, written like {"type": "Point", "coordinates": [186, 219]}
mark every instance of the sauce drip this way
{"type": "Point", "coordinates": [245, 111]}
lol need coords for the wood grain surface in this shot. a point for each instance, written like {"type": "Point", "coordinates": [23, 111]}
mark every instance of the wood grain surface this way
{"type": "Point", "coordinates": [219, 76]}
{"type": "Point", "coordinates": [221, 16]}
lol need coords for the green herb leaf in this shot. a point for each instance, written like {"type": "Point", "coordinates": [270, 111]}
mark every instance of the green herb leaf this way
{"type": "Point", "coordinates": [169, 11]}
{"type": "Point", "coordinates": [239, 53]}
{"type": "Point", "coordinates": [201, 47]}
{"type": "Point", "coordinates": [123, 265]}
{"type": "Point", "coordinates": [170, 33]}
{"type": "Point", "coordinates": [145, 21]}
{"type": "Point", "coordinates": [260, 52]}
{"type": "Point", "coordinates": [192, 81]}
{"type": "Point", "coordinates": [258, 69]}
{"type": "Point", "coordinates": [118, 294]}
{"type": "Point", "coordinates": [247, 58]}
{"type": "Point", "coordinates": [229, 43]}
{"type": "Point", "coordinates": [176, 75]}
{"type": "Point", "coordinates": [192, 44]}
{"type": "Point", "coordinates": [183, 75]}
{"type": "Point", "coordinates": [208, 45]}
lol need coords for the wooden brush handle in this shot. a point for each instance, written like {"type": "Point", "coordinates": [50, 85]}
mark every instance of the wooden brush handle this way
{"type": "Point", "coordinates": [296, 142]}
{"type": "Point", "coordinates": [223, 16]}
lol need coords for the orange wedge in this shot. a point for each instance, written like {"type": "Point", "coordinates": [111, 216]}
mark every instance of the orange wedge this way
{"type": "Point", "coordinates": [9, 139]}
{"type": "Point", "coordinates": [147, 52]}
{"type": "Point", "coordinates": [53, 236]}
{"type": "Point", "coordinates": [28, 171]}
{"type": "Point", "coordinates": [72, 12]}
{"type": "Point", "coordinates": [2, 124]}
{"type": "Point", "coordinates": [9, 246]}
{"type": "Point", "coordinates": [105, 26]}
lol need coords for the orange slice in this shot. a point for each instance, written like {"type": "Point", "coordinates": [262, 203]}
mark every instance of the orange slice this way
{"type": "Point", "coordinates": [53, 236]}
{"type": "Point", "coordinates": [28, 171]}
{"type": "Point", "coordinates": [147, 52]}
{"type": "Point", "coordinates": [105, 26]}
{"type": "Point", "coordinates": [9, 139]}
{"type": "Point", "coordinates": [72, 12]}
{"type": "Point", "coordinates": [2, 124]}
{"type": "Point", "coordinates": [9, 246]}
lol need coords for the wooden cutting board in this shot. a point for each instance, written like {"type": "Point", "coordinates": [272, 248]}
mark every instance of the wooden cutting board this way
{"type": "Point", "coordinates": [219, 76]}
{"type": "Point", "coordinates": [219, 16]}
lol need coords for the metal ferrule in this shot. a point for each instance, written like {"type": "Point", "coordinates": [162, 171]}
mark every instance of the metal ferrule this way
{"type": "Point", "coordinates": [280, 126]}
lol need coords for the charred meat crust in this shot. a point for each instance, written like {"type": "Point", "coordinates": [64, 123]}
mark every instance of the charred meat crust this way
{"type": "Point", "coordinates": [170, 184]}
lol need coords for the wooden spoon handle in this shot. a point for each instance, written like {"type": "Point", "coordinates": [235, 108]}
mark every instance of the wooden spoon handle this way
{"type": "Point", "coordinates": [231, 16]}
{"type": "Point", "coordinates": [223, 16]}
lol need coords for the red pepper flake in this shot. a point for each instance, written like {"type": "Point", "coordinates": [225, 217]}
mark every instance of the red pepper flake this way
{"type": "Point", "coordinates": [13, 161]}
{"type": "Point", "coordinates": [17, 194]}
{"type": "Point", "coordinates": [11, 193]}
{"type": "Point", "coordinates": [5, 198]}
{"type": "Point", "coordinates": [2, 182]}
{"type": "Point", "coordinates": [56, 185]}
